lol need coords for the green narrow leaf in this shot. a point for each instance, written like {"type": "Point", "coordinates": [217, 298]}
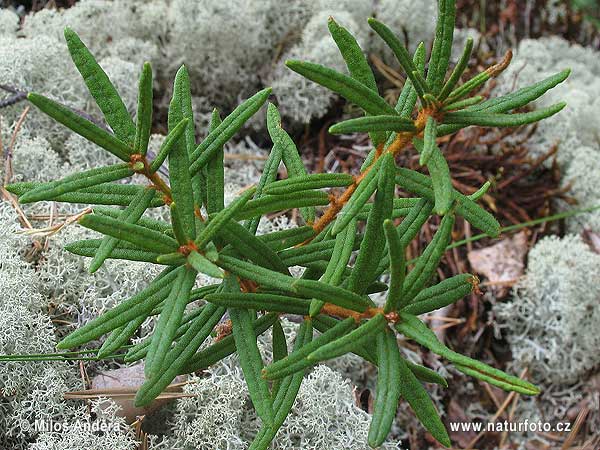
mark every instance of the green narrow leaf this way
{"type": "Point", "coordinates": [429, 260]}
{"type": "Point", "coordinates": [373, 243]}
{"type": "Point", "coordinates": [416, 330]}
{"type": "Point", "coordinates": [119, 337]}
{"type": "Point", "coordinates": [356, 62]}
{"type": "Point", "coordinates": [401, 54]}
{"type": "Point", "coordinates": [359, 198]}
{"type": "Point", "coordinates": [131, 214]}
{"type": "Point", "coordinates": [440, 176]}
{"type": "Point", "coordinates": [442, 294]}
{"type": "Point", "coordinates": [459, 69]}
{"type": "Point", "coordinates": [81, 126]}
{"type": "Point", "coordinates": [348, 342]}
{"type": "Point", "coordinates": [225, 347]}
{"type": "Point", "coordinates": [480, 192]}
{"type": "Point", "coordinates": [203, 265]}
{"type": "Point", "coordinates": [177, 226]}
{"type": "Point", "coordinates": [185, 347]}
{"type": "Point", "coordinates": [261, 302]}
{"type": "Point", "coordinates": [168, 144]}
{"type": "Point", "coordinates": [485, 119]}
{"type": "Point", "coordinates": [342, 251]}
{"type": "Point", "coordinates": [219, 220]}
{"type": "Point", "coordinates": [123, 250]}
{"type": "Point", "coordinates": [101, 194]}
{"type": "Point", "coordinates": [264, 277]}
{"type": "Point", "coordinates": [308, 182]}
{"type": "Point", "coordinates": [370, 124]}
{"type": "Point", "coordinates": [397, 267]}
{"type": "Point", "coordinates": [143, 237]}
{"type": "Point", "coordinates": [387, 392]}
{"type": "Point", "coordinates": [230, 125]}
{"type": "Point", "coordinates": [215, 175]}
{"type": "Point", "coordinates": [101, 88]}
{"type": "Point", "coordinates": [280, 351]}
{"type": "Point", "coordinates": [297, 360]}
{"type": "Point", "coordinates": [143, 126]}
{"type": "Point", "coordinates": [331, 294]}
{"type": "Point", "coordinates": [286, 394]}
{"type": "Point", "coordinates": [169, 321]}
{"type": "Point", "coordinates": [252, 363]}
{"type": "Point", "coordinates": [461, 104]}
{"type": "Point", "coordinates": [422, 185]}
{"type": "Point", "coordinates": [429, 144]}
{"type": "Point", "coordinates": [71, 183]}
{"type": "Point", "coordinates": [182, 191]}
{"type": "Point", "coordinates": [426, 375]}
{"type": "Point", "coordinates": [251, 247]}
{"type": "Point", "coordinates": [408, 96]}
{"type": "Point", "coordinates": [275, 203]}
{"type": "Point", "coordinates": [420, 402]}
{"type": "Point", "coordinates": [138, 305]}
{"type": "Point", "coordinates": [352, 90]}
{"type": "Point", "coordinates": [442, 45]}
{"type": "Point", "coordinates": [268, 176]}
{"type": "Point", "coordinates": [289, 153]}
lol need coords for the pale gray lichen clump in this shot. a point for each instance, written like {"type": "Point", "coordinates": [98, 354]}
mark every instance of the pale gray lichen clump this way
{"type": "Point", "coordinates": [552, 321]}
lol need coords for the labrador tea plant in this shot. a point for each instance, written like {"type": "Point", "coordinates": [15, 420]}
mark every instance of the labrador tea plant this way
{"type": "Point", "coordinates": [331, 296]}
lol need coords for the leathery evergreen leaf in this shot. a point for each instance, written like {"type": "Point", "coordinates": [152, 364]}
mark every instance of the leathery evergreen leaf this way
{"type": "Point", "coordinates": [336, 267]}
{"type": "Point", "coordinates": [81, 126]}
{"type": "Point", "coordinates": [289, 154]}
{"type": "Point", "coordinates": [262, 302]}
{"type": "Point", "coordinates": [215, 175]}
{"type": "Point", "coordinates": [442, 294]}
{"type": "Point", "coordinates": [308, 182]}
{"type": "Point", "coordinates": [123, 250]}
{"type": "Point", "coordinates": [442, 45]}
{"type": "Point", "coordinates": [361, 195]}
{"type": "Point", "coordinates": [485, 119]}
{"type": "Point", "coordinates": [458, 70]}
{"type": "Point", "coordinates": [131, 214]}
{"type": "Point", "coordinates": [182, 190]}
{"type": "Point", "coordinates": [176, 359]}
{"type": "Point", "coordinates": [356, 62]}
{"type": "Point", "coordinates": [373, 243]}
{"type": "Point", "coordinates": [440, 175]}
{"type": "Point", "coordinates": [203, 265]}
{"type": "Point", "coordinates": [387, 392]}
{"type": "Point", "coordinates": [119, 337]}
{"type": "Point", "coordinates": [297, 360]}
{"type": "Point", "coordinates": [144, 111]}
{"type": "Point", "coordinates": [225, 347]}
{"type": "Point", "coordinates": [402, 56]}
{"type": "Point", "coordinates": [145, 238]}
{"type": "Point", "coordinates": [169, 320]}
{"type": "Point", "coordinates": [352, 90]}
{"type": "Point", "coordinates": [280, 351]}
{"type": "Point", "coordinates": [168, 144]}
{"type": "Point", "coordinates": [331, 294]}
{"type": "Point", "coordinates": [370, 124]}
{"type": "Point", "coordinates": [225, 131]}
{"type": "Point", "coordinates": [251, 247]}
{"type": "Point", "coordinates": [101, 194]}
{"type": "Point", "coordinates": [429, 135]}
{"type": "Point", "coordinates": [252, 363]}
{"type": "Point", "coordinates": [397, 267]}
{"type": "Point", "coordinates": [220, 219]}
{"type": "Point", "coordinates": [72, 183]}
{"type": "Point", "coordinates": [286, 393]}
{"type": "Point", "coordinates": [422, 185]}
{"type": "Point", "coordinates": [274, 203]}
{"type": "Point", "coordinates": [416, 330]}
{"type": "Point", "coordinates": [140, 304]}
{"type": "Point", "coordinates": [420, 402]}
{"type": "Point", "coordinates": [408, 96]}
{"type": "Point", "coordinates": [101, 88]}
{"type": "Point", "coordinates": [348, 342]}
{"type": "Point", "coordinates": [428, 261]}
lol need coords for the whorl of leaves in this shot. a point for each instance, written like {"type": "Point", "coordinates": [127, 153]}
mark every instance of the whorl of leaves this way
{"type": "Point", "coordinates": [205, 236]}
